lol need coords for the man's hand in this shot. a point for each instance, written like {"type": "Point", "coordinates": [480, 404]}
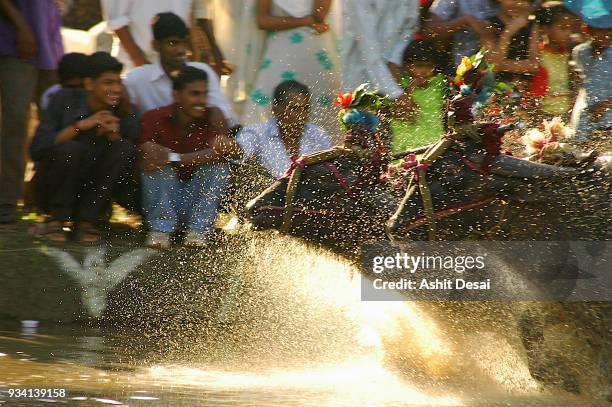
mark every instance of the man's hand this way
{"type": "Point", "coordinates": [109, 128]}
{"type": "Point", "coordinates": [154, 156]}
{"type": "Point", "coordinates": [479, 27]}
{"type": "Point", "coordinates": [96, 120]}
{"type": "Point", "coordinates": [225, 68]}
{"type": "Point", "coordinates": [321, 27]}
{"type": "Point", "coordinates": [106, 123]}
{"type": "Point", "coordinates": [26, 44]}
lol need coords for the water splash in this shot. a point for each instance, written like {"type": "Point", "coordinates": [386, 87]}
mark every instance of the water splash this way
{"type": "Point", "coordinates": [359, 382]}
{"type": "Point", "coordinates": [309, 330]}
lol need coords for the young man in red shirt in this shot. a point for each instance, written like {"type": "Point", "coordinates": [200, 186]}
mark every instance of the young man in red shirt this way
{"type": "Point", "coordinates": [183, 177]}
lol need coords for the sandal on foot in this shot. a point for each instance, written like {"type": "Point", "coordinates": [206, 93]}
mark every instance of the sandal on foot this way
{"type": "Point", "coordinates": [158, 240]}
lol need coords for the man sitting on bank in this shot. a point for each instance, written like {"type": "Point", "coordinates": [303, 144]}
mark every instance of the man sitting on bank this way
{"type": "Point", "coordinates": [84, 149]}
{"type": "Point", "coordinates": [287, 134]}
{"type": "Point", "coordinates": [183, 177]}
{"type": "Point", "coordinates": [150, 86]}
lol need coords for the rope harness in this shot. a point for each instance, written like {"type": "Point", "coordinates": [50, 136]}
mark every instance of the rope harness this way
{"type": "Point", "coordinates": [429, 157]}
{"type": "Point", "coordinates": [419, 177]}
{"type": "Point", "coordinates": [295, 173]}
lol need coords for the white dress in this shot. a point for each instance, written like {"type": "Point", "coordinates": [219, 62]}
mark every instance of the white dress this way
{"type": "Point", "coordinates": [303, 55]}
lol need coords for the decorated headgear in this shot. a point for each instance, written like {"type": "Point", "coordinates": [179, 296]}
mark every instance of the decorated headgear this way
{"type": "Point", "coordinates": [475, 74]}
{"type": "Point", "coordinates": [359, 108]}
{"type": "Point", "coordinates": [468, 67]}
{"type": "Point", "coordinates": [475, 77]}
{"type": "Point", "coordinates": [555, 131]}
{"type": "Point", "coordinates": [548, 146]}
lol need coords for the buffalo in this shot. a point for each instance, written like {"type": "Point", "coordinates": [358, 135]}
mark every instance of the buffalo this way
{"type": "Point", "coordinates": [339, 201]}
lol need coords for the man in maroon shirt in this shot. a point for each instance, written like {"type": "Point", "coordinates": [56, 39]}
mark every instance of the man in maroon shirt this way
{"type": "Point", "coordinates": [183, 177]}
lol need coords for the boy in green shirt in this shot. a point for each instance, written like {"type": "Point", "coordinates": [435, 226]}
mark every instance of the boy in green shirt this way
{"type": "Point", "coordinates": [553, 82]}
{"type": "Point", "coordinates": [419, 112]}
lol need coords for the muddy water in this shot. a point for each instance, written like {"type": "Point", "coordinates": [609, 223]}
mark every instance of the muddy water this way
{"type": "Point", "coordinates": [292, 332]}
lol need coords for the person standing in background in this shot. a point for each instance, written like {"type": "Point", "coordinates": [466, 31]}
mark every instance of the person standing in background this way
{"type": "Point", "coordinates": [375, 34]}
{"type": "Point", "coordinates": [231, 29]}
{"type": "Point", "coordinates": [204, 12]}
{"type": "Point", "coordinates": [593, 108]}
{"type": "Point", "coordinates": [30, 49]}
{"type": "Point", "coordinates": [513, 42]}
{"type": "Point", "coordinates": [555, 83]}
{"type": "Point", "coordinates": [131, 21]}
{"type": "Point", "coordinates": [299, 46]}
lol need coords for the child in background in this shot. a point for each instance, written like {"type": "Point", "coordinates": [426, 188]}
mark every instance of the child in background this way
{"type": "Point", "coordinates": [512, 43]}
{"type": "Point", "coordinates": [419, 112]}
{"type": "Point", "coordinates": [553, 81]}
{"type": "Point", "coordinates": [71, 71]}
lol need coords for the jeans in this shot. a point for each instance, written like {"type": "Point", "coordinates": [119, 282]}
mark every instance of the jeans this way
{"type": "Point", "coordinates": [168, 200]}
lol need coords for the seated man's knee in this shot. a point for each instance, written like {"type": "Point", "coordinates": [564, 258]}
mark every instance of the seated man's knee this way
{"type": "Point", "coordinates": [69, 153]}
{"type": "Point", "coordinates": [165, 173]}
{"type": "Point", "coordinates": [123, 150]}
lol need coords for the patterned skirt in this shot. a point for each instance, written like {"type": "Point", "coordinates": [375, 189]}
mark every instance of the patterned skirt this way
{"type": "Point", "coordinates": [304, 56]}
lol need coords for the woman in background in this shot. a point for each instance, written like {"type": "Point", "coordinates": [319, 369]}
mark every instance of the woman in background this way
{"type": "Point", "coordinates": [299, 46]}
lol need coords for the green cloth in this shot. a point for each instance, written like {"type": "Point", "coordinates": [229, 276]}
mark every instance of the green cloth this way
{"type": "Point", "coordinates": [558, 100]}
{"type": "Point", "coordinates": [429, 123]}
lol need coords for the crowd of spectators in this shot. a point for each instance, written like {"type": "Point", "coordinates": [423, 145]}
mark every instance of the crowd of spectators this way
{"type": "Point", "coordinates": [154, 131]}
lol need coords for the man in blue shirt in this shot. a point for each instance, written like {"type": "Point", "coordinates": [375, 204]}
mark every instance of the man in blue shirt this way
{"type": "Point", "coordinates": [84, 149]}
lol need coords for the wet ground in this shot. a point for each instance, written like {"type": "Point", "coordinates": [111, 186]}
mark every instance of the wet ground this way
{"type": "Point", "coordinates": [292, 331]}
{"type": "Point", "coordinates": [100, 367]}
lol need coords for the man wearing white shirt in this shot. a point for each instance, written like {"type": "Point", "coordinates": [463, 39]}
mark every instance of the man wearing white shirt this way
{"type": "Point", "coordinates": [286, 135]}
{"type": "Point", "coordinates": [131, 21]}
{"type": "Point", "coordinates": [150, 86]}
